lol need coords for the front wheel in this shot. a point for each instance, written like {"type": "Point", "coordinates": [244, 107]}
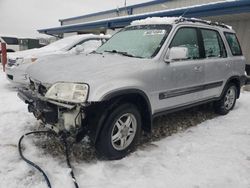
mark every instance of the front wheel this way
{"type": "Point", "coordinates": [228, 100]}
{"type": "Point", "coordinates": [120, 132]}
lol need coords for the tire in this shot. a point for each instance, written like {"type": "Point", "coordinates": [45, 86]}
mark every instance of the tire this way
{"type": "Point", "coordinates": [118, 138]}
{"type": "Point", "coordinates": [228, 100]}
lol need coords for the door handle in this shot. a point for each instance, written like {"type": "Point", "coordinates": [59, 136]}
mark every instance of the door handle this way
{"type": "Point", "coordinates": [197, 68]}
{"type": "Point", "coordinates": [228, 65]}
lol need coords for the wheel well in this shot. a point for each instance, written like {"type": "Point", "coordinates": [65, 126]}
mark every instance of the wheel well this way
{"type": "Point", "coordinates": [235, 81]}
{"type": "Point", "coordinates": [98, 112]}
{"type": "Point", "coordinates": [141, 103]}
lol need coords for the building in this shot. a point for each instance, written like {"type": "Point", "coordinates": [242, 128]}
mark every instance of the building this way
{"type": "Point", "coordinates": [29, 43]}
{"type": "Point", "coordinates": [235, 13]}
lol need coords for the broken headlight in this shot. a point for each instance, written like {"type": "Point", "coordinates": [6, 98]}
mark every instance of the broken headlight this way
{"type": "Point", "coordinates": [68, 92]}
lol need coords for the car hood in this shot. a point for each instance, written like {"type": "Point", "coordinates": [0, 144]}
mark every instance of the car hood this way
{"type": "Point", "coordinates": [33, 53]}
{"type": "Point", "coordinates": [85, 68]}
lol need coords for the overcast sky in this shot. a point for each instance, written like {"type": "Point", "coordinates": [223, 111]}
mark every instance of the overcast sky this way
{"type": "Point", "coordinates": [23, 17]}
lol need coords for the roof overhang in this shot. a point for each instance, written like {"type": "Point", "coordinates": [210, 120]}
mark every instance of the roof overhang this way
{"type": "Point", "coordinates": [150, 3]}
{"type": "Point", "coordinates": [212, 9]}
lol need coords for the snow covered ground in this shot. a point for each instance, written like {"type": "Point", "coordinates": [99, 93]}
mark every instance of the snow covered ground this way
{"type": "Point", "coordinates": [214, 154]}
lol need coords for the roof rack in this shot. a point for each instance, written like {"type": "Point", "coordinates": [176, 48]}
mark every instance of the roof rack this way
{"type": "Point", "coordinates": [195, 20]}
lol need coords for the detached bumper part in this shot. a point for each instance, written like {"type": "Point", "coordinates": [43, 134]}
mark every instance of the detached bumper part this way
{"type": "Point", "coordinates": [25, 96]}
{"type": "Point", "coordinates": [43, 112]}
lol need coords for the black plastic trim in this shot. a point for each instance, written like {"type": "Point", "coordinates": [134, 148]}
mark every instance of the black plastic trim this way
{"type": "Point", "coordinates": [247, 68]}
{"type": "Point", "coordinates": [240, 83]}
{"type": "Point", "coordinates": [127, 91]}
{"type": "Point", "coordinates": [240, 79]}
{"type": "Point", "coordinates": [188, 90]}
{"type": "Point", "coordinates": [179, 108]}
{"type": "Point", "coordinates": [147, 126]}
{"type": "Point", "coordinates": [10, 76]}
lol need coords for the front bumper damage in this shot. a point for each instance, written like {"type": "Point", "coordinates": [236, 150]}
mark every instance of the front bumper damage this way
{"type": "Point", "coordinates": [78, 120]}
{"type": "Point", "coordinates": [57, 116]}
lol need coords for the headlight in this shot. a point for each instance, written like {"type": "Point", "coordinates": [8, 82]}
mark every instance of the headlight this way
{"type": "Point", "coordinates": [15, 61]}
{"type": "Point", "coordinates": [68, 92]}
{"type": "Point", "coordinates": [11, 62]}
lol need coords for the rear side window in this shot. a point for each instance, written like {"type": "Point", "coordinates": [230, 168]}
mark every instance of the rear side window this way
{"type": "Point", "coordinates": [187, 37]}
{"type": "Point", "coordinates": [233, 44]}
{"type": "Point", "coordinates": [10, 40]}
{"type": "Point", "coordinates": [213, 44]}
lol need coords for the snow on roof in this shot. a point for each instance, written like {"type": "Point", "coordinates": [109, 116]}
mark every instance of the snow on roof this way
{"type": "Point", "coordinates": [172, 20]}
{"type": "Point", "coordinates": [7, 35]}
{"type": "Point", "coordinates": [68, 42]}
{"type": "Point", "coordinates": [155, 20]}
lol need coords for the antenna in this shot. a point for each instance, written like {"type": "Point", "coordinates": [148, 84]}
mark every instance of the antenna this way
{"type": "Point", "coordinates": [184, 13]}
{"type": "Point", "coordinates": [125, 6]}
{"type": "Point", "coordinates": [117, 11]}
{"type": "Point", "coordinates": [180, 18]}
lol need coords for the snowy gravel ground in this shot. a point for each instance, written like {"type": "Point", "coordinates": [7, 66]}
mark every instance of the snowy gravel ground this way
{"type": "Point", "coordinates": [213, 154]}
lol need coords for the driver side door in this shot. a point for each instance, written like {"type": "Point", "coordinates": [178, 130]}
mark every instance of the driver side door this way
{"type": "Point", "coordinates": [181, 81]}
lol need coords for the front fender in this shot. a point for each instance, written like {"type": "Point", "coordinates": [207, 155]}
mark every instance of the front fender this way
{"type": "Point", "coordinates": [99, 92]}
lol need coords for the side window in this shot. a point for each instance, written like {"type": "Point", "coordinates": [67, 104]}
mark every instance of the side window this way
{"type": "Point", "coordinates": [91, 45]}
{"type": "Point", "coordinates": [213, 44]}
{"type": "Point", "coordinates": [187, 37]}
{"type": "Point", "coordinates": [88, 45]}
{"type": "Point", "coordinates": [233, 44]}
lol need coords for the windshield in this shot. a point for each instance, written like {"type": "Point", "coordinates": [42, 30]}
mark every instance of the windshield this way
{"type": "Point", "coordinates": [63, 44]}
{"type": "Point", "coordinates": [137, 41]}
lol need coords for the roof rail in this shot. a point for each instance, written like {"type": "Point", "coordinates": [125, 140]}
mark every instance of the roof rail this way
{"type": "Point", "coordinates": [182, 19]}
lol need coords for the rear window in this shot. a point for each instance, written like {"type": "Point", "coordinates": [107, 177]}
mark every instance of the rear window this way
{"type": "Point", "coordinates": [233, 44]}
{"type": "Point", "coordinates": [10, 40]}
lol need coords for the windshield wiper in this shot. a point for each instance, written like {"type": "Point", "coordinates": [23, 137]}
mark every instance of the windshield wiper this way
{"type": "Point", "coordinates": [95, 52]}
{"type": "Point", "coordinates": [122, 53]}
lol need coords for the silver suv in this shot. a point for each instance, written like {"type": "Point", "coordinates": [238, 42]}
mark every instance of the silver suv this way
{"type": "Point", "coordinates": [152, 67]}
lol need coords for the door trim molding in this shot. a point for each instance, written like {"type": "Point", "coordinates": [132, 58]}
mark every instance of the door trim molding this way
{"type": "Point", "coordinates": [188, 90]}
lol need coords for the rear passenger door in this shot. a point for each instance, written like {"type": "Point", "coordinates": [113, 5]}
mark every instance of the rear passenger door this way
{"type": "Point", "coordinates": [217, 66]}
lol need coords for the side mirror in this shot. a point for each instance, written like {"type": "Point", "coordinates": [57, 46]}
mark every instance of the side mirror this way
{"type": "Point", "coordinates": [176, 53]}
{"type": "Point", "coordinates": [79, 49]}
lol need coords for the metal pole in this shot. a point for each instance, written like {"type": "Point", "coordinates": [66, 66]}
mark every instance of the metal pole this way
{"type": "Point", "coordinates": [4, 55]}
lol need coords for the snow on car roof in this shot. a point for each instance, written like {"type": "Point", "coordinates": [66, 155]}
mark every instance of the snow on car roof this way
{"type": "Point", "coordinates": [68, 42]}
{"type": "Point", "coordinates": [7, 35]}
{"type": "Point", "coordinates": [155, 20]}
{"type": "Point", "coordinates": [172, 20]}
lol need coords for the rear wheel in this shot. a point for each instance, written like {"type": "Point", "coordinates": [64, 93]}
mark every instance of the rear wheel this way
{"type": "Point", "coordinates": [228, 100]}
{"type": "Point", "coordinates": [120, 132]}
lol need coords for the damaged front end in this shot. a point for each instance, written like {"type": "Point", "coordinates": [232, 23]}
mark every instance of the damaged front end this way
{"type": "Point", "coordinates": [56, 114]}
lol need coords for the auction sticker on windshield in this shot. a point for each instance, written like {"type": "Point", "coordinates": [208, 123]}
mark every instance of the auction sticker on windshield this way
{"type": "Point", "coordinates": [155, 32]}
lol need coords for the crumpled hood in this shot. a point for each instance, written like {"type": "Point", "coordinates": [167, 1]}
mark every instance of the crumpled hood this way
{"type": "Point", "coordinates": [85, 68]}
